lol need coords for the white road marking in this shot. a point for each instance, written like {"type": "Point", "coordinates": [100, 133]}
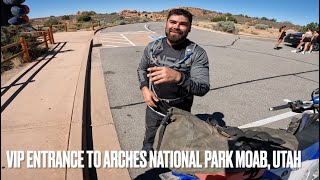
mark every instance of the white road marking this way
{"type": "Point", "coordinates": [110, 45]}
{"type": "Point", "coordinates": [128, 40]}
{"type": "Point", "coordinates": [145, 26]}
{"type": "Point", "coordinates": [129, 32]}
{"type": "Point", "coordinates": [141, 31]}
{"type": "Point", "coordinates": [114, 39]}
{"type": "Point", "coordinates": [117, 42]}
{"type": "Point", "coordinates": [136, 32]}
{"type": "Point", "coordinates": [270, 119]}
{"type": "Point", "coordinates": [119, 38]}
{"type": "Point", "coordinates": [110, 34]}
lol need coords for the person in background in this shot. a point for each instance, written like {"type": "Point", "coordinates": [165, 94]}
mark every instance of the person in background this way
{"type": "Point", "coordinates": [282, 34]}
{"type": "Point", "coordinates": [314, 39]}
{"type": "Point", "coordinates": [305, 39]}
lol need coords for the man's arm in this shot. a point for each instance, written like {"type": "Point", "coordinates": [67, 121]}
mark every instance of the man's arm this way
{"type": "Point", "coordinates": [142, 69]}
{"type": "Point", "coordinates": [148, 96]}
{"type": "Point", "coordinates": [198, 83]}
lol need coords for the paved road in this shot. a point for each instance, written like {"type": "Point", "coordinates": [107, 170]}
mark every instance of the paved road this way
{"type": "Point", "coordinates": [247, 77]}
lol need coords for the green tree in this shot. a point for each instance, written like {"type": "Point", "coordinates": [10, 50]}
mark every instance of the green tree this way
{"type": "Point", "coordinates": [51, 21]}
{"type": "Point", "coordinates": [84, 18]}
{"type": "Point", "coordinates": [312, 25]}
{"type": "Point", "coordinates": [273, 20]}
{"type": "Point", "coordinates": [65, 17]}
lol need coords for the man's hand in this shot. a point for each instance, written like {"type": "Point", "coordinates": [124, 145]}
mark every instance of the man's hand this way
{"type": "Point", "coordinates": [160, 75]}
{"type": "Point", "coordinates": [149, 96]}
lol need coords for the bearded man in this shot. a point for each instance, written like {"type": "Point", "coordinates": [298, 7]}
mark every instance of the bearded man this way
{"type": "Point", "coordinates": [172, 70]}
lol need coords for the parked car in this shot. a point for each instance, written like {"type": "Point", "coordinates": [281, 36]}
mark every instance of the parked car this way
{"type": "Point", "coordinates": [295, 38]}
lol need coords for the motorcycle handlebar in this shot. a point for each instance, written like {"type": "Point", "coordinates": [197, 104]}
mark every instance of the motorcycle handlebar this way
{"type": "Point", "coordinates": [279, 107]}
{"type": "Point", "coordinates": [297, 106]}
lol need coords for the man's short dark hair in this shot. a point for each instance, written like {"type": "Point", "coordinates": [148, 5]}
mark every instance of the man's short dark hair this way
{"type": "Point", "coordinates": [182, 12]}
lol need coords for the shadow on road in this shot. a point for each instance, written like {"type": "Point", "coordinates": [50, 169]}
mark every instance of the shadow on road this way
{"type": "Point", "coordinates": [53, 53]}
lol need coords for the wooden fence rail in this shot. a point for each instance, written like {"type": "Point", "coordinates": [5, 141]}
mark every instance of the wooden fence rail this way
{"type": "Point", "coordinates": [66, 26]}
{"type": "Point", "coordinates": [24, 51]}
{"type": "Point", "coordinates": [45, 35]}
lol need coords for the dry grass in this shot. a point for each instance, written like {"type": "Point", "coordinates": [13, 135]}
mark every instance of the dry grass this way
{"type": "Point", "coordinates": [245, 29]}
{"type": "Point", "coordinates": [15, 66]}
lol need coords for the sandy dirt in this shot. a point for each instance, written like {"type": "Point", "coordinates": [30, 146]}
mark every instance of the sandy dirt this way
{"type": "Point", "coordinates": [7, 75]}
{"type": "Point", "coordinates": [246, 30]}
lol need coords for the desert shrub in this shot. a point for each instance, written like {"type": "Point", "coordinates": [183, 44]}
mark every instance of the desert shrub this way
{"type": "Point", "coordinates": [224, 18]}
{"type": "Point", "coordinates": [254, 33]}
{"type": "Point", "coordinates": [225, 26]}
{"type": "Point", "coordinates": [231, 18]}
{"type": "Point", "coordinates": [108, 24]}
{"type": "Point", "coordinates": [120, 22]}
{"type": "Point", "coordinates": [37, 51]}
{"type": "Point", "coordinates": [65, 17]}
{"type": "Point", "coordinates": [143, 20]}
{"type": "Point", "coordinates": [261, 26]}
{"type": "Point", "coordinates": [7, 65]}
{"type": "Point", "coordinates": [51, 21]}
{"type": "Point", "coordinates": [84, 18]}
{"type": "Point", "coordinates": [195, 23]}
{"type": "Point", "coordinates": [12, 34]}
{"type": "Point", "coordinates": [218, 18]}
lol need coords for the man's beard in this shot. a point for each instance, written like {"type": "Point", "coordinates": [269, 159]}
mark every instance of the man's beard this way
{"type": "Point", "coordinates": [176, 38]}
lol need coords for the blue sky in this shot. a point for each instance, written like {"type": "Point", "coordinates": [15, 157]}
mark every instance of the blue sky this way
{"type": "Point", "coordinates": [296, 11]}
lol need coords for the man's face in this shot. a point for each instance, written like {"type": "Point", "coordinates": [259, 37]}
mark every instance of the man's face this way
{"type": "Point", "coordinates": [177, 28]}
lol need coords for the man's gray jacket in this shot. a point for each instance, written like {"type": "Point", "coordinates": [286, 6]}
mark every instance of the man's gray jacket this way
{"type": "Point", "coordinates": [194, 71]}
